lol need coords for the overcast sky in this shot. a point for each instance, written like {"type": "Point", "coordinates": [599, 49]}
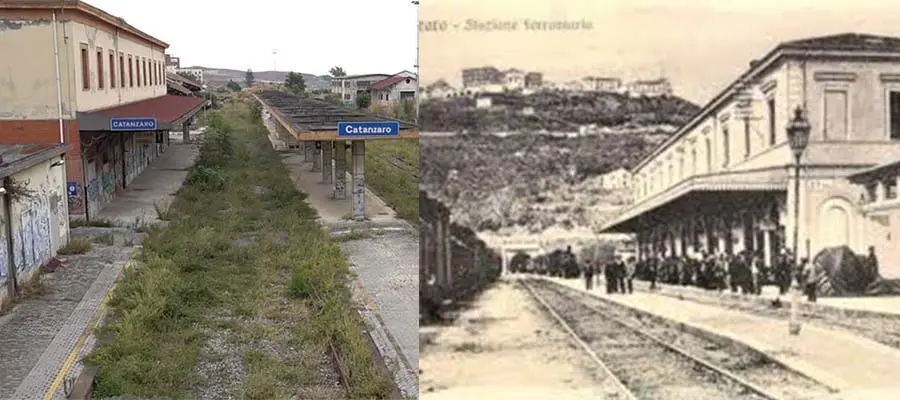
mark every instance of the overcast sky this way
{"type": "Point", "coordinates": [362, 36]}
{"type": "Point", "coordinates": [700, 45]}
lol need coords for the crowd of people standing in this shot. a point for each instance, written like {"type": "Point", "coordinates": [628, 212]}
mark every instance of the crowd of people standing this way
{"type": "Point", "coordinates": [745, 272]}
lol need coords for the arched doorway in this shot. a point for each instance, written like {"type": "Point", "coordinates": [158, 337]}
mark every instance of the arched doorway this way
{"type": "Point", "coordinates": [835, 224]}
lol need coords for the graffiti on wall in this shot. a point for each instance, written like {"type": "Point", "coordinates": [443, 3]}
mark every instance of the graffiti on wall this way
{"type": "Point", "coordinates": [4, 256]}
{"type": "Point", "coordinates": [32, 241]}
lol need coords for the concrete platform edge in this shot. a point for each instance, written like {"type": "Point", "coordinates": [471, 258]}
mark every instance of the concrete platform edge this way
{"type": "Point", "coordinates": [386, 346]}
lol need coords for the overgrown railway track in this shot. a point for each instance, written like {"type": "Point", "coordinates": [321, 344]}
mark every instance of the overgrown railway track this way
{"type": "Point", "coordinates": [649, 359]}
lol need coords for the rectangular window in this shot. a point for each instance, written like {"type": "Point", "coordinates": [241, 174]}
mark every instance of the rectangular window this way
{"type": "Point", "coordinates": [146, 78]}
{"type": "Point", "coordinates": [85, 68]}
{"type": "Point", "coordinates": [121, 69]}
{"type": "Point", "coordinates": [693, 162]}
{"type": "Point", "coordinates": [894, 115]}
{"type": "Point", "coordinates": [835, 115]}
{"type": "Point", "coordinates": [772, 131]}
{"type": "Point", "coordinates": [100, 78]}
{"type": "Point", "coordinates": [130, 71]}
{"type": "Point", "coordinates": [112, 69]}
{"type": "Point", "coordinates": [709, 160]}
{"type": "Point", "coordinates": [890, 189]}
{"type": "Point", "coordinates": [746, 138]}
{"type": "Point", "coordinates": [137, 74]}
{"type": "Point", "coordinates": [726, 146]}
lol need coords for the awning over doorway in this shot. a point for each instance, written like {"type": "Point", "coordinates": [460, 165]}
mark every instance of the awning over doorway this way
{"type": "Point", "coordinates": [769, 180]}
{"type": "Point", "coordinates": [169, 111]}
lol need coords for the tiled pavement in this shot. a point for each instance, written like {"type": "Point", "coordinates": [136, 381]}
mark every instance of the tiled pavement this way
{"type": "Point", "coordinates": [387, 267]}
{"type": "Point", "coordinates": [841, 360]}
{"type": "Point", "coordinates": [38, 336]}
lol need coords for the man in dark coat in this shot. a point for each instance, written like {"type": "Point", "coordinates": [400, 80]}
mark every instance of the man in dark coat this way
{"type": "Point", "coordinates": [609, 275]}
{"type": "Point", "coordinates": [620, 274]}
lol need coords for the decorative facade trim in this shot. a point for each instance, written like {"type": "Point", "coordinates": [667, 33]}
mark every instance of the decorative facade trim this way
{"type": "Point", "coordinates": [835, 76]}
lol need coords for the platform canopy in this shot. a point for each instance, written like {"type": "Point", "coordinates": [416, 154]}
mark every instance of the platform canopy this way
{"type": "Point", "coordinates": [315, 120]}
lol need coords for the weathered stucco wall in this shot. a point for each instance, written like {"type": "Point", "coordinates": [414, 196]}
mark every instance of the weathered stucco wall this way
{"type": "Point", "coordinates": [39, 223]}
{"type": "Point", "coordinates": [28, 85]}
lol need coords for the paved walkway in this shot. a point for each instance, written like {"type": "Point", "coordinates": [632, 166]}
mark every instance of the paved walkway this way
{"type": "Point", "coordinates": [154, 187]}
{"type": "Point", "coordinates": [386, 263]}
{"type": "Point", "coordinates": [839, 359]}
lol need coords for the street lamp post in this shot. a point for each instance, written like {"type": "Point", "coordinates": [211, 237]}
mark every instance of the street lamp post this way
{"type": "Point", "coordinates": [798, 139]}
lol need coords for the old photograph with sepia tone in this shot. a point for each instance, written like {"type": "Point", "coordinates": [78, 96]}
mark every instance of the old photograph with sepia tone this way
{"type": "Point", "coordinates": [659, 200]}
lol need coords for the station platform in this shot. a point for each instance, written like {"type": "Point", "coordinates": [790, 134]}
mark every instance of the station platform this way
{"type": "Point", "coordinates": [887, 306]}
{"type": "Point", "coordinates": [857, 367]}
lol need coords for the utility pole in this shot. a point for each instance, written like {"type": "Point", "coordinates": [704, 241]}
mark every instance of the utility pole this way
{"type": "Point", "coordinates": [275, 60]}
{"type": "Point", "coordinates": [418, 76]}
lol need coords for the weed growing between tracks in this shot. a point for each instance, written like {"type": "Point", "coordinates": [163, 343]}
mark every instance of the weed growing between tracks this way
{"type": "Point", "coordinates": [241, 258]}
{"type": "Point", "coordinates": [392, 171]}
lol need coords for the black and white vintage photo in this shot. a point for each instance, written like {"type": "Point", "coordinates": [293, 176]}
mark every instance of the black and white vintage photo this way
{"type": "Point", "coordinates": [659, 200]}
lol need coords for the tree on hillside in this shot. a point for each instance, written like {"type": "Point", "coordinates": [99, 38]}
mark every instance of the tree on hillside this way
{"type": "Point", "coordinates": [337, 72]}
{"type": "Point", "coordinates": [248, 78]}
{"type": "Point", "coordinates": [363, 100]}
{"type": "Point", "coordinates": [234, 86]}
{"type": "Point", "coordinates": [295, 83]}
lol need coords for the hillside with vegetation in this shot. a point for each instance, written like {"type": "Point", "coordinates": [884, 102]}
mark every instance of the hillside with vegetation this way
{"type": "Point", "coordinates": [533, 162]}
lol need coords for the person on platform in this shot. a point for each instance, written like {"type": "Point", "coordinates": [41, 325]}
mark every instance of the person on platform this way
{"type": "Point", "coordinates": [784, 271]}
{"type": "Point", "coordinates": [808, 274]}
{"type": "Point", "coordinates": [757, 269]}
{"type": "Point", "coordinates": [652, 271]}
{"type": "Point", "coordinates": [609, 275]}
{"type": "Point", "coordinates": [620, 274]}
{"type": "Point", "coordinates": [872, 261]}
{"type": "Point", "coordinates": [587, 270]}
{"type": "Point", "coordinates": [630, 269]}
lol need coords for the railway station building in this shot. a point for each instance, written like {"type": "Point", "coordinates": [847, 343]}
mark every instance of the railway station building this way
{"type": "Point", "coordinates": [724, 182]}
{"type": "Point", "coordinates": [77, 75]}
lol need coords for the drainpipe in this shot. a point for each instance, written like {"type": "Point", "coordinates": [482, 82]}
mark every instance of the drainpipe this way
{"type": "Point", "coordinates": [119, 72]}
{"type": "Point", "coordinates": [62, 138]}
{"type": "Point", "coordinates": [12, 282]}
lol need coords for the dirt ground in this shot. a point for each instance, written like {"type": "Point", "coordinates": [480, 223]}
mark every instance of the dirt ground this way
{"type": "Point", "coordinates": [503, 347]}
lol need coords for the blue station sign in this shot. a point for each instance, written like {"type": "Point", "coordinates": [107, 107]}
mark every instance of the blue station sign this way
{"type": "Point", "coordinates": [132, 124]}
{"type": "Point", "coordinates": [368, 129]}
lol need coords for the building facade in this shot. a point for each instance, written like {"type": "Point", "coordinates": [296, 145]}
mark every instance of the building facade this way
{"type": "Point", "coordinates": [81, 65]}
{"type": "Point", "coordinates": [172, 63]}
{"type": "Point", "coordinates": [195, 73]}
{"type": "Point", "coordinates": [482, 76]}
{"type": "Point", "coordinates": [723, 183]}
{"type": "Point", "coordinates": [602, 84]}
{"type": "Point", "coordinates": [348, 87]}
{"type": "Point", "coordinates": [534, 80]}
{"type": "Point", "coordinates": [396, 88]}
{"type": "Point", "coordinates": [514, 79]}
{"type": "Point", "coordinates": [655, 87]}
